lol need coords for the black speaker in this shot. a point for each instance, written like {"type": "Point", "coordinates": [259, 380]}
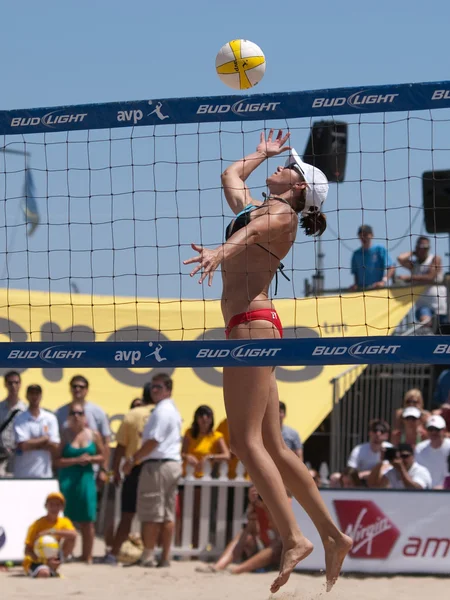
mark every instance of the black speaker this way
{"type": "Point", "coordinates": [327, 149]}
{"type": "Point", "coordinates": [436, 201]}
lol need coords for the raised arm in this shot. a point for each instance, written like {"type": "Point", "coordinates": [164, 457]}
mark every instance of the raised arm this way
{"type": "Point", "coordinates": [233, 178]}
{"type": "Point", "coordinates": [263, 230]}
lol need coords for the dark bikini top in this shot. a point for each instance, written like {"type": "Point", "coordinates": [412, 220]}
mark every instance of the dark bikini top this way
{"type": "Point", "coordinates": [242, 219]}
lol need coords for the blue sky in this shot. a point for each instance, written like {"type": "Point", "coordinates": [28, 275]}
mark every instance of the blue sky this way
{"type": "Point", "coordinates": [56, 53]}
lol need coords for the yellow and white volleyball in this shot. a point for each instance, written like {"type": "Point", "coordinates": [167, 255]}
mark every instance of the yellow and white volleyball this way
{"type": "Point", "coordinates": [46, 547]}
{"type": "Point", "coordinates": [240, 64]}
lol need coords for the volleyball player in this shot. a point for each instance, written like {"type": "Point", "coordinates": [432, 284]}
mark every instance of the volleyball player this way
{"type": "Point", "coordinates": [259, 237]}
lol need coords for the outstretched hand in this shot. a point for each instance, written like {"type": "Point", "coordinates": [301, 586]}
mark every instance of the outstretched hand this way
{"type": "Point", "coordinates": [208, 261]}
{"type": "Point", "coordinates": [272, 147]}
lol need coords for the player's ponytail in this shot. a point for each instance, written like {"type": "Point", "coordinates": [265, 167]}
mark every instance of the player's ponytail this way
{"type": "Point", "coordinates": [314, 223]}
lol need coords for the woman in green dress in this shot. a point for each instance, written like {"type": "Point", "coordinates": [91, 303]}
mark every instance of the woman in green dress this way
{"type": "Point", "coordinates": [79, 450]}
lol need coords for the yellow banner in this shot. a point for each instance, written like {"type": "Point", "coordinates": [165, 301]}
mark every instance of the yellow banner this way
{"type": "Point", "coordinates": [40, 316]}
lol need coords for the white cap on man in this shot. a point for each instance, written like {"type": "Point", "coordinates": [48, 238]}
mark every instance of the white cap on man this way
{"type": "Point", "coordinates": [436, 421]}
{"type": "Point", "coordinates": [317, 190]}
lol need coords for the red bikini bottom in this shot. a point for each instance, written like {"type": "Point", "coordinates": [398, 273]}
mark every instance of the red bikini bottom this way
{"type": "Point", "coordinates": [264, 314]}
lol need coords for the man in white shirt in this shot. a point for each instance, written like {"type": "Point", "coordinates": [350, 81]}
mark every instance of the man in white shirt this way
{"type": "Point", "coordinates": [10, 408]}
{"type": "Point", "coordinates": [160, 455]}
{"type": "Point", "coordinates": [433, 453]}
{"type": "Point", "coordinates": [37, 438]}
{"type": "Point", "coordinates": [404, 473]}
{"type": "Point", "coordinates": [365, 456]}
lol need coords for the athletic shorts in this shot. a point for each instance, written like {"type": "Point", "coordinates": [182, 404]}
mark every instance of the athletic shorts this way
{"type": "Point", "coordinates": [264, 314]}
{"type": "Point", "coordinates": [129, 490]}
{"type": "Point", "coordinates": [157, 491]}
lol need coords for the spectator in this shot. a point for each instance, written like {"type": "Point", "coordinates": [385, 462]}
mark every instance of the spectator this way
{"type": "Point", "coordinates": [160, 472]}
{"type": "Point", "coordinates": [412, 431]}
{"type": "Point", "coordinates": [426, 269]}
{"type": "Point", "coordinates": [365, 456]}
{"type": "Point", "coordinates": [52, 524]}
{"type": "Point", "coordinates": [434, 452]}
{"type": "Point", "coordinates": [372, 266]}
{"type": "Point", "coordinates": [79, 450]}
{"type": "Point", "coordinates": [202, 443]}
{"type": "Point", "coordinates": [404, 473]}
{"type": "Point", "coordinates": [37, 438]}
{"type": "Point", "coordinates": [128, 438]}
{"type": "Point", "coordinates": [290, 436]}
{"type": "Point", "coordinates": [10, 407]}
{"type": "Point", "coordinates": [136, 403]}
{"type": "Point", "coordinates": [247, 543]}
{"type": "Point", "coordinates": [350, 478]}
{"type": "Point", "coordinates": [268, 546]}
{"type": "Point", "coordinates": [412, 397]}
{"type": "Point", "coordinates": [95, 416]}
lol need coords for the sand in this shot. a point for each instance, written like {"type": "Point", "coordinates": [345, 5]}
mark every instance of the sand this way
{"type": "Point", "coordinates": [181, 582]}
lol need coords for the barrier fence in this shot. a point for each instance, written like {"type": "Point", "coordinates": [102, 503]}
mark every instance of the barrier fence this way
{"type": "Point", "coordinates": [393, 531]}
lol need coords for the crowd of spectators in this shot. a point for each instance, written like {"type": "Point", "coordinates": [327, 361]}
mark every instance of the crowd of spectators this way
{"type": "Point", "coordinates": [373, 268]}
{"type": "Point", "coordinates": [415, 455]}
{"type": "Point", "coordinates": [152, 453]}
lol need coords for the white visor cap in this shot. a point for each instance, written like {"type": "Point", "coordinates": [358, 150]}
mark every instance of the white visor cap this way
{"type": "Point", "coordinates": [317, 190]}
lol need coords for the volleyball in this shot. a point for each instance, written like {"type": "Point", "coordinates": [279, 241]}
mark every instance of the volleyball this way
{"type": "Point", "coordinates": [240, 64]}
{"type": "Point", "coordinates": [46, 547]}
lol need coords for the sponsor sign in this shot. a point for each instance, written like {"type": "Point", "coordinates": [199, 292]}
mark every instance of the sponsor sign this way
{"type": "Point", "coordinates": [241, 108]}
{"type": "Point", "coordinates": [392, 531]}
{"type": "Point", "coordinates": [292, 105]}
{"type": "Point", "coordinates": [50, 120]}
{"type": "Point", "coordinates": [360, 99]}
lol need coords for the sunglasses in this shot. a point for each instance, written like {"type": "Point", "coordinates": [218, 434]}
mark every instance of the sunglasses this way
{"type": "Point", "coordinates": [411, 401]}
{"type": "Point", "coordinates": [405, 455]}
{"type": "Point", "coordinates": [297, 169]}
{"type": "Point", "coordinates": [78, 385]}
{"type": "Point", "coordinates": [379, 430]}
{"type": "Point", "coordinates": [76, 413]}
{"type": "Point", "coordinates": [433, 429]}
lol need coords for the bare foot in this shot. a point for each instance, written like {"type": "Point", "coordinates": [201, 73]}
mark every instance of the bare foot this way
{"type": "Point", "coordinates": [291, 557]}
{"type": "Point", "coordinates": [335, 553]}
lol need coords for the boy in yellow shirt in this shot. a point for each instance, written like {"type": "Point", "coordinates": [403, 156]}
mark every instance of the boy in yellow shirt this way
{"type": "Point", "coordinates": [52, 524]}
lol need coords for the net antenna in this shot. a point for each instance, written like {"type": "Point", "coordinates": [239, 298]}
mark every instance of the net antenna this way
{"type": "Point", "coordinates": [128, 186]}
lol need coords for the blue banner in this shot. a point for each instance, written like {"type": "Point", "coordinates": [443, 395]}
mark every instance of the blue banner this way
{"type": "Point", "coordinates": [288, 352]}
{"type": "Point", "coordinates": [255, 107]}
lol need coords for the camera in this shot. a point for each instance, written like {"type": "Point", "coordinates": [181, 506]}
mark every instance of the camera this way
{"type": "Point", "coordinates": [390, 454]}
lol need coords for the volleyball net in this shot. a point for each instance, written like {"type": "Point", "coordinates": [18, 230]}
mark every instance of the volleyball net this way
{"type": "Point", "coordinates": [99, 205]}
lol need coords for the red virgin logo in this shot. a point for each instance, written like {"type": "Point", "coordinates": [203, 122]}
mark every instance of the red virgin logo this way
{"type": "Point", "coordinates": [373, 533]}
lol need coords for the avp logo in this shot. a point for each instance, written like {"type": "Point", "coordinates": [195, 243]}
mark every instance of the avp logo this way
{"type": "Point", "coordinates": [157, 111]}
{"type": "Point", "coordinates": [358, 350]}
{"type": "Point", "coordinates": [373, 533]}
{"type": "Point", "coordinates": [50, 355]}
{"type": "Point", "coordinates": [241, 353]}
{"type": "Point", "coordinates": [241, 107]}
{"type": "Point", "coordinates": [357, 100]}
{"type": "Point", "coordinates": [51, 119]}
{"type": "Point", "coordinates": [134, 356]}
